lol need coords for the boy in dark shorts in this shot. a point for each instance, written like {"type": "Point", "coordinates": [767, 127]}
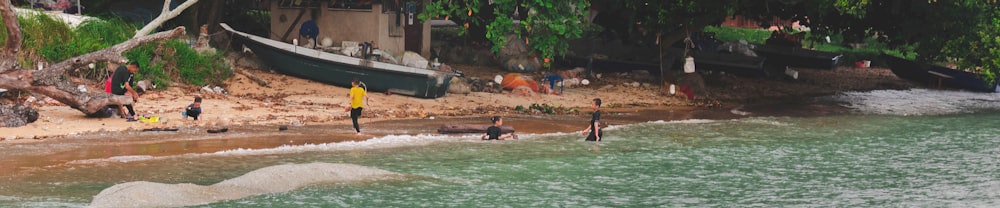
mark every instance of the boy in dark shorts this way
{"type": "Point", "coordinates": [122, 83]}
{"type": "Point", "coordinates": [494, 132]}
{"type": "Point", "coordinates": [194, 109]}
{"type": "Point", "coordinates": [593, 130]}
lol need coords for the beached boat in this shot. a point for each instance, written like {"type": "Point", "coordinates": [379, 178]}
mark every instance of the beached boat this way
{"type": "Point", "coordinates": [615, 66]}
{"type": "Point", "coordinates": [798, 57]}
{"type": "Point", "coordinates": [704, 61]}
{"type": "Point", "coordinates": [730, 63]}
{"type": "Point", "coordinates": [937, 75]}
{"type": "Point", "coordinates": [340, 70]}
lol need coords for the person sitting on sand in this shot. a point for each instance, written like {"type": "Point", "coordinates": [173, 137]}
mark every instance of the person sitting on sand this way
{"type": "Point", "coordinates": [193, 109]}
{"type": "Point", "coordinates": [594, 131]}
{"type": "Point", "coordinates": [494, 132]}
{"type": "Point", "coordinates": [553, 79]}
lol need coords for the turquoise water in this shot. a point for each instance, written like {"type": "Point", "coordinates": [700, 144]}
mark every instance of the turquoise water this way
{"type": "Point", "coordinates": [835, 161]}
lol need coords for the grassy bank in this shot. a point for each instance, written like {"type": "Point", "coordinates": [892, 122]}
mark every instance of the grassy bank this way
{"type": "Point", "coordinates": [869, 50]}
{"type": "Point", "coordinates": [49, 40]}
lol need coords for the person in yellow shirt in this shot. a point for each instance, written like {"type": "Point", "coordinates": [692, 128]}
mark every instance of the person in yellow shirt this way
{"type": "Point", "coordinates": [358, 96]}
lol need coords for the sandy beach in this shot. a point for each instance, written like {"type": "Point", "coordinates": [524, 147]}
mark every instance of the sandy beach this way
{"type": "Point", "coordinates": [294, 101]}
{"type": "Point", "coordinates": [314, 113]}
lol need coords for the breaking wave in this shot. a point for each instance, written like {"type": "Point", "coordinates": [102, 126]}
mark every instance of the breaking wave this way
{"type": "Point", "coordinates": [273, 179]}
{"type": "Point", "coordinates": [918, 102]}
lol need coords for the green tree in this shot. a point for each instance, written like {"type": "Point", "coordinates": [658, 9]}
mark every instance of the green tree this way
{"type": "Point", "coordinates": [546, 26]}
{"type": "Point", "coordinates": [962, 32]}
{"type": "Point", "coordinates": [966, 32]}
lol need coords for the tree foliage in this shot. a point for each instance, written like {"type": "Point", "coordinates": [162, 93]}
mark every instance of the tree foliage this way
{"type": "Point", "coordinates": [965, 32]}
{"type": "Point", "coordinates": [545, 25]}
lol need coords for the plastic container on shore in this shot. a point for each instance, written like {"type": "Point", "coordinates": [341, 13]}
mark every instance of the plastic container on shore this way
{"type": "Point", "coordinates": [863, 64]}
{"type": "Point", "coordinates": [689, 65]}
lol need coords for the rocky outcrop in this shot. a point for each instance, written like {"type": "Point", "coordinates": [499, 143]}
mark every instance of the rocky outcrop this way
{"type": "Point", "coordinates": [17, 115]}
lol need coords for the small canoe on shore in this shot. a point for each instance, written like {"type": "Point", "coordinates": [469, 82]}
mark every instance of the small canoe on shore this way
{"type": "Point", "coordinates": [937, 75]}
{"type": "Point", "coordinates": [470, 128]}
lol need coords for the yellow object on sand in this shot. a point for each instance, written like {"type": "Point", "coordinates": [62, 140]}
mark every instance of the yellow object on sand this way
{"type": "Point", "coordinates": [151, 119]}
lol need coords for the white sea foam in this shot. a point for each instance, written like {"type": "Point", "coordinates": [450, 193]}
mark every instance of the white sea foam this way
{"type": "Point", "coordinates": [689, 121]}
{"type": "Point", "coordinates": [389, 141]}
{"type": "Point", "coordinates": [918, 102]}
{"type": "Point", "coordinates": [739, 111]}
{"type": "Point", "coordinates": [122, 159]}
{"type": "Point", "coordinates": [274, 179]}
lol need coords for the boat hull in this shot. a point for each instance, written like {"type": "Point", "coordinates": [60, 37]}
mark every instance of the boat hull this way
{"type": "Point", "coordinates": [926, 73]}
{"type": "Point", "coordinates": [798, 57]}
{"type": "Point", "coordinates": [704, 61]}
{"type": "Point", "coordinates": [340, 70]}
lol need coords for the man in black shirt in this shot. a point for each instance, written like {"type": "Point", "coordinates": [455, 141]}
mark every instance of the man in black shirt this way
{"type": "Point", "coordinates": [593, 130]}
{"type": "Point", "coordinates": [493, 132]}
{"type": "Point", "coordinates": [121, 83]}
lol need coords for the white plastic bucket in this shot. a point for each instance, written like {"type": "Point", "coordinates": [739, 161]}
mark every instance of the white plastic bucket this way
{"type": "Point", "coordinates": [673, 89]}
{"type": "Point", "coordinates": [689, 65]}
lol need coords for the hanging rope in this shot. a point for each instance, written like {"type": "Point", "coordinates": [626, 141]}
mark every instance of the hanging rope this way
{"type": "Point", "coordinates": [688, 43]}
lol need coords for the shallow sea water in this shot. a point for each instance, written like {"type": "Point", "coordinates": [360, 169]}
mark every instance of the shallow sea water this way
{"type": "Point", "coordinates": [868, 159]}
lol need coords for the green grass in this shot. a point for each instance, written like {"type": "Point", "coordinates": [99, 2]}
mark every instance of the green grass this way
{"type": "Point", "coordinates": [732, 34]}
{"type": "Point", "coordinates": [870, 51]}
{"type": "Point", "coordinates": [49, 40]}
{"type": "Point", "coordinates": [179, 62]}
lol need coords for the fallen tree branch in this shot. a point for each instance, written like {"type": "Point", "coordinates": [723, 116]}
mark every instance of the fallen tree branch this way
{"type": "Point", "coordinates": [256, 79]}
{"type": "Point", "coordinates": [49, 82]}
{"type": "Point", "coordinates": [165, 14]}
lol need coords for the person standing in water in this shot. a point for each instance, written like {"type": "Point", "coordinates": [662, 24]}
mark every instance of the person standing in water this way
{"type": "Point", "coordinates": [494, 132]}
{"type": "Point", "coordinates": [593, 131]}
{"type": "Point", "coordinates": [358, 96]}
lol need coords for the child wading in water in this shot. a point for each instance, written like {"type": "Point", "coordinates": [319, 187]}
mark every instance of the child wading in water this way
{"type": "Point", "coordinates": [358, 96]}
{"type": "Point", "coordinates": [593, 131]}
{"type": "Point", "coordinates": [494, 132]}
{"type": "Point", "coordinates": [193, 109]}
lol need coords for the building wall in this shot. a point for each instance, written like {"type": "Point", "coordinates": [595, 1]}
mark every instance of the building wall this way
{"type": "Point", "coordinates": [346, 25]}
{"type": "Point", "coordinates": [742, 22]}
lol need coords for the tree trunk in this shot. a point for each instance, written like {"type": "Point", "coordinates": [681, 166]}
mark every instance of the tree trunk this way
{"type": "Point", "coordinates": [196, 16]}
{"type": "Point", "coordinates": [49, 81]}
{"type": "Point", "coordinates": [165, 14]}
{"type": "Point", "coordinates": [213, 16]}
{"type": "Point", "coordinates": [8, 57]}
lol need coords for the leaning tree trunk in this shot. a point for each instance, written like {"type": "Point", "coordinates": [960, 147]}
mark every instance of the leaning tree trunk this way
{"type": "Point", "coordinates": [49, 81]}
{"type": "Point", "coordinates": [8, 56]}
{"type": "Point", "coordinates": [165, 15]}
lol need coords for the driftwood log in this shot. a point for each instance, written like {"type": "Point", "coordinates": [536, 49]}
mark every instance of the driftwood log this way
{"type": "Point", "coordinates": [49, 82]}
{"type": "Point", "coordinates": [470, 128]}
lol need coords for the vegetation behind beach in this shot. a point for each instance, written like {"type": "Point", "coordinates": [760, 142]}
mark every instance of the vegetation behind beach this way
{"type": "Point", "coordinates": [50, 41]}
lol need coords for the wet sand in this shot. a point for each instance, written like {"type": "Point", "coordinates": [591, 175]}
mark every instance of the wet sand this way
{"type": "Point", "coordinates": [314, 113]}
{"type": "Point", "coordinates": [64, 151]}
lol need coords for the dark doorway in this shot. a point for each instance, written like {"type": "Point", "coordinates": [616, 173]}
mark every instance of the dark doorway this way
{"type": "Point", "coordinates": [415, 31]}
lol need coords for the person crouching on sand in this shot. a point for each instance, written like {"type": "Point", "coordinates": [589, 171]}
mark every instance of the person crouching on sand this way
{"type": "Point", "coordinates": [193, 109]}
{"type": "Point", "coordinates": [593, 130]}
{"type": "Point", "coordinates": [493, 132]}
